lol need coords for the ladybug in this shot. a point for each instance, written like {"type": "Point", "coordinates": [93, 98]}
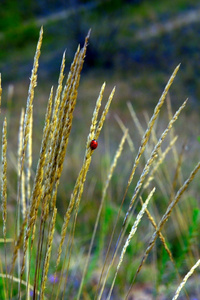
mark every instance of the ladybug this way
{"type": "Point", "coordinates": [93, 144]}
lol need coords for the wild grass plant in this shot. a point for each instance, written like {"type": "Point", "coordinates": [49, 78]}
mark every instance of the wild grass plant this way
{"type": "Point", "coordinates": [39, 256]}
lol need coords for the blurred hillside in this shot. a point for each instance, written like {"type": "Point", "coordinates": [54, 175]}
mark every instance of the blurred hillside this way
{"type": "Point", "coordinates": [135, 44]}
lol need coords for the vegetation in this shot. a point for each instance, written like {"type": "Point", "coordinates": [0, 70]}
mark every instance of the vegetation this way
{"type": "Point", "coordinates": [47, 248]}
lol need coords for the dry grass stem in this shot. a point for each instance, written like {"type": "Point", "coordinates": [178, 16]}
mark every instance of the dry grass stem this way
{"type": "Point", "coordinates": [177, 173]}
{"type": "Point", "coordinates": [8, 240]}
{"type": "Point", "coordinates": [4, 177]}
{"type": "Point", "coordinates": [159, 162]}
{"type": "Point", "coordinates": [123, 128]}
{"type": "Point", "coordinates": [185, 280]}
{"type": "Point", "coordinates": [160, 235]}
{"type": "Point", "coordinates": [15, 279]}
{"type": "Point", "coordinates": [135, 119]}
{"type": "Point", "coordinates": [18, 244]}
{"type": "Point", "coordinates": [4, 191]}
{"type": "Point", "coordinates": [21, 176]}
{"type": "Point", "coordinates": [26, 191]}
{"type": "Point", "coordinates": [172, 134]}
{"type": "Point", "coordinates": [37, 186]}
{"type": "Point", "coordinates": [48, 253]}
{"type": "Point", "coordinates": [28, 163]}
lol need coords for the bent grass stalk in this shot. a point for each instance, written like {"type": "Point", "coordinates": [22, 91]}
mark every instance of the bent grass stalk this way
{"type": "Point", "coordinates": [15, 279]}
{"type": "Point", "coordinates": [185, 280]}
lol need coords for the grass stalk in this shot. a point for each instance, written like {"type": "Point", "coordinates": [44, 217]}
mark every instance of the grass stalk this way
{"type": "Point", "coordinates": [48, 253]}
{"type": "Point", "coordinates": [4, 193]}
{"type": "Point", "coordinates": [191, 271]}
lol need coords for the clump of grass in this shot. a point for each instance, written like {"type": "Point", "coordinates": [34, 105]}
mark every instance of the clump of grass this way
{"type": "Point", "coordinates": [34, 254]}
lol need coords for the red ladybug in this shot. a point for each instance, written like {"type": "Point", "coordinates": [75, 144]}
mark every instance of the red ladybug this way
{"type": "Point", "coordinates": [93, 144]}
